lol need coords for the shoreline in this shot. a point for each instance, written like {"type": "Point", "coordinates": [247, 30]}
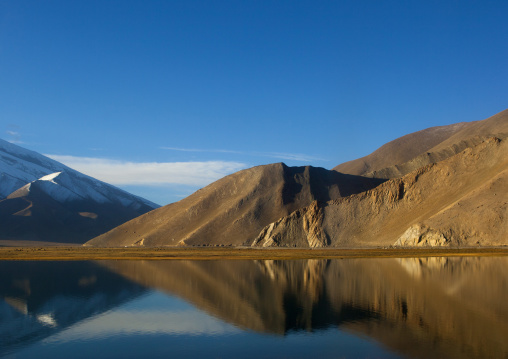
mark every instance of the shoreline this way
{"type": "Point", "coordinates": [69, 253]}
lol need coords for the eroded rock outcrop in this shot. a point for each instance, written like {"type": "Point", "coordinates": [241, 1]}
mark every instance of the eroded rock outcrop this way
{"type": "Point", "coordinates": [462, 200]}
{"type": "Point", "coordinates": [305, 224]}
{"type": "Point", "coordinates": [421, 236]}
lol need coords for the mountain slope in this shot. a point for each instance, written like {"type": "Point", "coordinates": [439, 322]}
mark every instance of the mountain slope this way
{"type": "Point", "coordinates": [410, 152]}
{"type": "Point", "coordinates": [44, 200]}
{"type": "Point", "coordinates": [232, 210]}
{"type": "Point", "coordinates": [459, 201]}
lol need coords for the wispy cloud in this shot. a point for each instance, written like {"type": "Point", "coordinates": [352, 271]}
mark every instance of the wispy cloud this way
{"type": "Point", "coordinates": [279, 155]}
{"type": "Point", "coordinates": [198, 150]}
{"type": "Point", "coordinates": [13, 135]}
{"type": "Point", "coordinates": [151, 173]}
{"type": "Point", "coordinates": [300, 157]}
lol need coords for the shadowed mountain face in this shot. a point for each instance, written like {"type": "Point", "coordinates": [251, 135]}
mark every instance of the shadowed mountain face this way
{"type": "Point", "coordinates": [232, 210]}
{"type": "Point", "coordinates": [410, 152]}
{"type": "Point", "coordinates": [36, 216]}
{"type": "Point", "coordinates": [42, 200]}
{"type": "Point", "coordinates": [432, 307]}
{"type": "Point", "coordinates": [39, 299]}
{"type": "Point", "coordinates": [458, 201]}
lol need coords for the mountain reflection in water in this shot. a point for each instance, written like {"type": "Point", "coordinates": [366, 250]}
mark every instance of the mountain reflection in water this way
{"type": "Point", "coordinates": [418, 307]}
{"type": "Point", "coordinates": [40, 299]}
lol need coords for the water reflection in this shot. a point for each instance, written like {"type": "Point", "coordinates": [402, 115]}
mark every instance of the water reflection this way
{"type": "Point", "coordinates": [430, 307]}
{"type": "Point", "coordinates": [43, 298]}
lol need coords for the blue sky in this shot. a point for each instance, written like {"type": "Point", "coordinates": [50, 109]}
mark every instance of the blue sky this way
{"type": "Point", "coordinates": [162, 97]}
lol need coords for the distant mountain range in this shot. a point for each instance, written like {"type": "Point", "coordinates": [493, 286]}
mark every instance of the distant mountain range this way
{"type": "Point", "coordinates": [43, 200]}
{"type": "Point", "coordinates": [445, 185]}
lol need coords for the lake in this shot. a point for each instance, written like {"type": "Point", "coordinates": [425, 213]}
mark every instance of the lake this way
{"type": "Point", "coordinates": [437, 307]}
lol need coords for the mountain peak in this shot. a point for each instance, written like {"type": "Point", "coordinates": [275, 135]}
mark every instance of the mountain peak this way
{"type": "Point", "coordinates": [44, 200]}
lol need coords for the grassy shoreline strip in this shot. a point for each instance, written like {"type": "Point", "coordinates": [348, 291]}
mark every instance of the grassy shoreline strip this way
{"type": "Point", "coordinates": [192, 253]}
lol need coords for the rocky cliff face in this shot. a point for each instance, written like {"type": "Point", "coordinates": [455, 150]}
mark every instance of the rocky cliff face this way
{"type": "Point", "coordinates": [458, 201]}
{"type": "Point", "coordinates": [419, 235]}
{"type": "Point", "coordinates": [304, 226]}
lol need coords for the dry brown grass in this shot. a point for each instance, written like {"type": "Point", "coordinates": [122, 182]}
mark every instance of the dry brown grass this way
{"type": "Point", "coordinates": [164, 253]}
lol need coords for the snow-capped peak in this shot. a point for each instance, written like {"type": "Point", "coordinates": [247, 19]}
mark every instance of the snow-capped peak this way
{"type": "Point", "coordinates": [50, 177]}
{"type": "Point", "coordinates": [19, 166]}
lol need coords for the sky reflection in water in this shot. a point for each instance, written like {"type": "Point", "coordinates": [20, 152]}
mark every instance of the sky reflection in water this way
{"type": "Point", "coordinates": [444, 307]}
{"type": "Point", "coordinates": [172, 328]}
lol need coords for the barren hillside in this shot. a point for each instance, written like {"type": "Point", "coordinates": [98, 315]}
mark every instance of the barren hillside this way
{"type": "Point", "coordinates": [232, 210]}
{"type": "Point", "coordinates": [410, 152]}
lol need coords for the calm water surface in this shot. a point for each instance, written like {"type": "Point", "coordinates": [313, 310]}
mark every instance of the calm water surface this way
{"type": "Point", "coordinates": [368, 308]}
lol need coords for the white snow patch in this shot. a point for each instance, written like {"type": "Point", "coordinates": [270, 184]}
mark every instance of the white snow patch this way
{"type": "Point", "coordinates": [47, 319]}
{"type": "Point", "coordinates": [50, 177]}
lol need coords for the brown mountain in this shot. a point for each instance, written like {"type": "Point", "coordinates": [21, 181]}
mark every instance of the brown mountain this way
{"type": "Point", "coordinates": [410, 152]}
{"type": "Point", "coordinates": [459, 201]}
{"type": "Point", "coordinates": [232, 210]}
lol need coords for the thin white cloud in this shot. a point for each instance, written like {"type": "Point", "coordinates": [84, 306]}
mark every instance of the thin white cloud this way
{"type": "Point", "coordinates": [15, 136]}
{"type": "Point", "coordinates": [150, 173]}
{"type": "Point", "coordinates": [283, 156]}
{"type": "Point", "coordinates": [291, 156]}
{"type": "Point", "coordinates": [198, 150]}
